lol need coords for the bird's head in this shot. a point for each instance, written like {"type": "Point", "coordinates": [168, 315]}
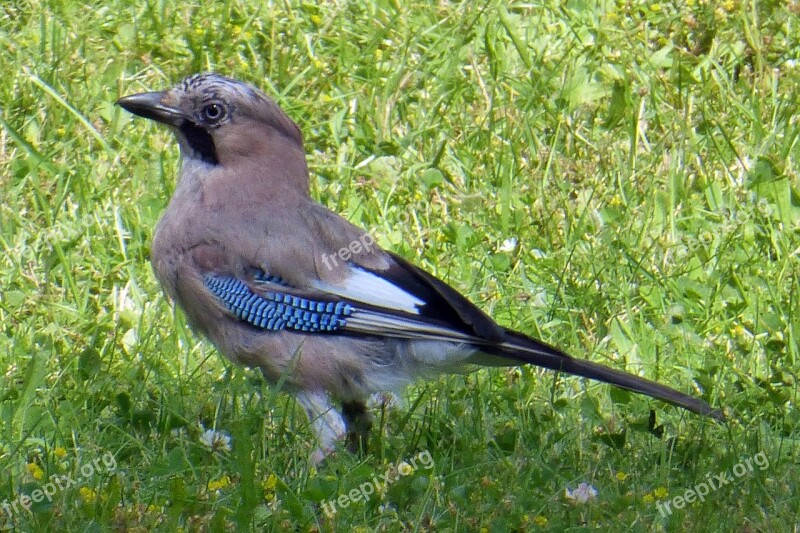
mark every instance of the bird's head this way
{"type": "Point", "coordinates": [217, 119]}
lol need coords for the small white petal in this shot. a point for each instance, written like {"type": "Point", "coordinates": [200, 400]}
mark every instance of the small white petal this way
{"type": "Point", "coordinates": [582, 494]}
{"type": "Point", "coordinates": [216, 440]}
{"type": "Point", "coordinates": [509, 245]}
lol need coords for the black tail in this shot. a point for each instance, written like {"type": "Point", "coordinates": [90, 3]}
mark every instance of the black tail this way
{"type": "Point", "coordinates": [523, 349]}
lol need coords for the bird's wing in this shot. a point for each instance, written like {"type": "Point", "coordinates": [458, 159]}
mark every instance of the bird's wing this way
{"type": "Point", "coordinates": [385, 282]}
{"type": "Point", "coordinates": [367, 304]}
{"type": "Point", "coordinates": [405, 291]}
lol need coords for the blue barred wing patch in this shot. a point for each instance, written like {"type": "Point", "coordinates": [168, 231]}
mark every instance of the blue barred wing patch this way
{"type": "Point", "coordinates": [277, 311]}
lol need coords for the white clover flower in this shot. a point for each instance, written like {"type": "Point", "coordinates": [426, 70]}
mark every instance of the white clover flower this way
{"type": "Point", "coordinates": [509, 245]}
{"type": "Point", "coordinates": [386, 399]}
{"type": "Point", "coordinates": [582, 494]}
{"type": "Point", "coordinates": [216, 440]}
{"type": "Point", "coordinates": [387, 508]}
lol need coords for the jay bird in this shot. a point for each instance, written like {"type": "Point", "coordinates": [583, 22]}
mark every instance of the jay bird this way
{"type": "Point", "coordinates": [252, 261]}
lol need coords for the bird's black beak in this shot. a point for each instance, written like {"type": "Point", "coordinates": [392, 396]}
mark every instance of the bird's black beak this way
{"type": "Point", "coordinates": [148, 105]}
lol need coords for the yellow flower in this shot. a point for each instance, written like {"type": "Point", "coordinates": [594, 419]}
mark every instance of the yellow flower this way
{"type": "Point", "coordinates": [220, 483]}
{"type": "Point", "coordinates": [270, 482]}
{"type": "Point", "coordinates": [34, 470]}
{"type": "Point", "coordinates": [87, 494]}
{"type": "Point", "coordinates": [316, 19]}
{"type": "Point", "coordinates": [60, 452]}
{"type": "Point", "coordinates": [661, 493]}
{"type": "Point", "coordinates": [648, 498]}
{"type": "Point", "coordinates": [621, 476]}
{"type": "Point", "coordinates": [269, 485]}
{"type": "Point", "coordinates": [540, 521]}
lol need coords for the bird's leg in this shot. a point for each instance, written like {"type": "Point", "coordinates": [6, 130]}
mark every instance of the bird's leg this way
{"type": "Point", "coordinates": [358, 422]}
{"type": "Point", "coordinates": [329, 427]}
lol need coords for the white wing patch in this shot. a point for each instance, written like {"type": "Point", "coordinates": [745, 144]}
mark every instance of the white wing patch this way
{"type": "Point", "coordinates": [366, 287]}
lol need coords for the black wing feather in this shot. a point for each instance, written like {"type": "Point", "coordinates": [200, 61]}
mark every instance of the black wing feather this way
{"type": "Point", "coordinates": [443, 303]}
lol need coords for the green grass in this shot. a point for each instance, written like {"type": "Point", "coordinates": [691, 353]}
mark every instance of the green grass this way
{"type": "Point", "coordinates": [644, 157]}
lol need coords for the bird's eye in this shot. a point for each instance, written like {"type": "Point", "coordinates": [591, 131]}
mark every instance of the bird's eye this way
{"type": "Point", "coordinates": [213, 112]}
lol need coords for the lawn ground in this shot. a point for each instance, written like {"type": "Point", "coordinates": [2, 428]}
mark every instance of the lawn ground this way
{"type": "Point", "coordinates": [617, 178]}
